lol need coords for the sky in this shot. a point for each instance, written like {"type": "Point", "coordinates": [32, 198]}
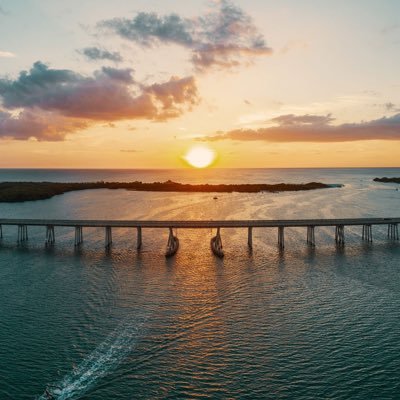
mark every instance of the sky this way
{"type": "Point", "coordinates": [137, 84]}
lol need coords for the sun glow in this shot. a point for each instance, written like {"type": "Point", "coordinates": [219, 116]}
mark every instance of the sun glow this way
{"type": "Point", "coordinates": [199, 156]}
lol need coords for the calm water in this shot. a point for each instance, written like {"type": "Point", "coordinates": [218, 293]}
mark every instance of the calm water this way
{"type": "Point", "coordinates": [302, 324]}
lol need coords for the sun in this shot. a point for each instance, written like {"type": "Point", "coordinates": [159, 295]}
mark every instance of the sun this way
{"type": "Point", "coordinates": [199, 156]}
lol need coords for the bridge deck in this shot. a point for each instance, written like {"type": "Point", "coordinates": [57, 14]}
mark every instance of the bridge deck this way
{"type": "Point", "coordinates": [201, 224]}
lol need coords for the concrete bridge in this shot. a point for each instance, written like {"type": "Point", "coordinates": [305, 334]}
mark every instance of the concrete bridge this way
{"type": "Point", "coordinates": [216, 241]}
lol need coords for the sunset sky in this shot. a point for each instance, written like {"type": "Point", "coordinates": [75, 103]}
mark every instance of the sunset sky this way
{"type": "Point", "coordinates": [137, 84]}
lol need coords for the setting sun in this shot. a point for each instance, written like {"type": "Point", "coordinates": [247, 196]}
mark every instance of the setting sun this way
{"type": "Point", "coordinates": [199, 156]}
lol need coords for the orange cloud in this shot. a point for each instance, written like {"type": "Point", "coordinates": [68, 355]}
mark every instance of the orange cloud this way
{"type": "Point", "coordinates": [225, 56]}
{"type": "Point", "coordinates": [315, 128]}
{"type": "Point", "coordinates": [69, 101]}
{"type": "Point", "coordinates": [43, 126]}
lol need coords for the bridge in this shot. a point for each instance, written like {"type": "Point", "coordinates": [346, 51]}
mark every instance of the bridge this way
{"type": "Point", "coordinates": [216, 241]}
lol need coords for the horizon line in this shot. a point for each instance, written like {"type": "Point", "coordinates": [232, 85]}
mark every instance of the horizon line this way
{"type": "Point", "coordinates": [182, 168]}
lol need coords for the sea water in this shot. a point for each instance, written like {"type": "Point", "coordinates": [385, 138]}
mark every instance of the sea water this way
{"type": "Point", "coordinates": [305, 323]}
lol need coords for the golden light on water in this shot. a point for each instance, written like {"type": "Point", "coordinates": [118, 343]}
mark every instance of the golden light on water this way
{"type": "Point", "coordinates": [200, 156]}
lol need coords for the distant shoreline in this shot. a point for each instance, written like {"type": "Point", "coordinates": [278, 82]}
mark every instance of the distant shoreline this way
{"type": "Point", "coordinates": [387, 180]}
{"type": "Point", "coordinates": [13, 192]}
{"type": "Point", "coordinates": [182, 169]}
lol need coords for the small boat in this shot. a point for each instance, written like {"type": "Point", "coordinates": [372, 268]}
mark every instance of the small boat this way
{"type": "Point", "coordinates": [216, 245]}
{"type": "Point", "coordinates": [172, 245]}
{"type": "Point", "coordinates": [217, 250]}
{"type": "Point", "coordinates": [172, 248]}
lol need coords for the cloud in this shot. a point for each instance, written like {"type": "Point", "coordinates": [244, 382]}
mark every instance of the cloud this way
{"type": "Point", "coordinates": [303, 120]}
{"type": "Point", "coordinates": [149, 29]}
{"type": "Point", "coordinates": [224, 37]}
{"type": "Point", "coordinates": [2, 11]}
{"type": "Point", "coordinates": [170, 95]}
{"type": "Point", "coordinates": [109, 95]}
{"type": "Point", "coordinates": [390, 28]}
{"type": "Point", "coordinates": [95, 54]}
{"type": "Point", "coordinates": [389, 106]}
{"type": "Point", "coordinates": [293, 45]}
{"type": "Point", "coordinates": [129, 151]}
{"type": "Point", "coordinates": [109, 125]}
{"type": "Point", "coordinates": [37, 124]}
{"type": "Point", "coordinates": [6, 54]}
{"type": "Point", "coordinates": [225, 56]}
{"type": "Point", "coordinates": [315, 128]}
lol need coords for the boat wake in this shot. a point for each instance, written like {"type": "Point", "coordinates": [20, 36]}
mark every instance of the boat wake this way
{"type": "Point", "coordinates": [104, 359]}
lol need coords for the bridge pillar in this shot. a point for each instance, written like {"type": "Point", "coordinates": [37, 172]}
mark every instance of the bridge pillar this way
{"type": "Point", "coordinates": [50, 236]}
{"type": "Point", "coordinates": [22, 233]}
{"type": "Point", "coordinates": [339, 235]}
{"type": "Point", "coordinates": [139, 238]}
{"type": "Point", "coordinates": [170, 237]}
{"type": "Point", "coordinates": [311, 235]}
{"type": "Point", "coordinates": [1, 231]}
{"type": "Point", "coordinates": [250, 237]}
{"type": "Point", "coordinates": [393, 231]}
{"type": "Point", "coordinates": [78, 235]}
{"type": "Point", "coordinates": [367, 232]}
{"type": "Point", "coordinates": [281, 237]}
{"type": "Point", "coordinates": [108, 239]}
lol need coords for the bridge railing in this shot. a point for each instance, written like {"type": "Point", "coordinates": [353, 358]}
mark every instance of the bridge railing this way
{"type": "Point", "coordinates": [216, 243]}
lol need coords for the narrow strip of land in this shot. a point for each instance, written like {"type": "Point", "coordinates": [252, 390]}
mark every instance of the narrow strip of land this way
{"type": "Point", "coordinates": [28, 191]}
{"type": "Point", "coordinates": [387, 180]}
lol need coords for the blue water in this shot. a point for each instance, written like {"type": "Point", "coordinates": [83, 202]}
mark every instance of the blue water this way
{"type": "Point", "coordinates": [299, 324]}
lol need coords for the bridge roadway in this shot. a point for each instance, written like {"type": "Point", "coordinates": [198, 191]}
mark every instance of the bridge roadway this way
{"type": "Point", "coordinates": [193, 224]}
{"type": "Point", "coordinates": [216, 241]}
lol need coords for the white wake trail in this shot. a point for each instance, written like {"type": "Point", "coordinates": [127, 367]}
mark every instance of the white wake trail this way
{"type": "Point", "coordinates": [104, 359]}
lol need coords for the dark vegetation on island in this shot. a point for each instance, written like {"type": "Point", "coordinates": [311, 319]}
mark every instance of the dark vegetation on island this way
{"type": "Point", "coordinates": [26, 191]}
{"type": "Point", "coordinates": [387, 180]}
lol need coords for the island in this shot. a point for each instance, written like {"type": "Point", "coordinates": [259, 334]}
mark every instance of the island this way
{"type": "Point", "coordinates": [28, 191]}
{"type": "Point", "coordinates": [387, 180]}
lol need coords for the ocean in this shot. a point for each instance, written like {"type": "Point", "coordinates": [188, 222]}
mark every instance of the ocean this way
{"type": "Point", "coordinates": [303, 323]}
